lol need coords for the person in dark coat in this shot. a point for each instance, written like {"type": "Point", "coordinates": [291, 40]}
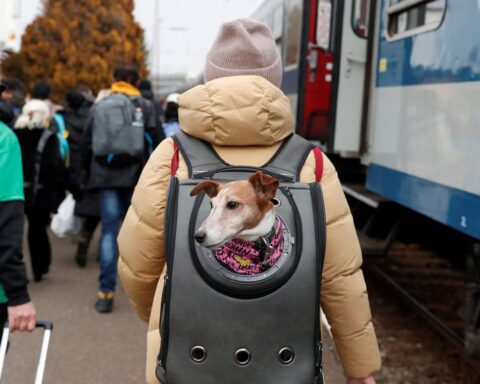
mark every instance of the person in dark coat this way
{"type": "Point", "coordinates": [145, 88]}
{"type": "Point", "coordinates": [15, 303]}
{"type": "Point", "coordinates": [44, 180]}
{"type": "Point", "coordinates": [76, 116]}
{"type": "Point", "coordinates": [115, 182]}
{"type": "Point", "coordinates": [7, 115]}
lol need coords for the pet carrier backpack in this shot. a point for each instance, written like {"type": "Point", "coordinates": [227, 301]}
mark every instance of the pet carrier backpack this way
{"type": "Point", "coordinates": [221, 327]}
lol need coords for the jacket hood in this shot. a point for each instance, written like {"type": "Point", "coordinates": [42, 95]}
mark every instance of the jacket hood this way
{"type": "Point", "coordinates": [236, 111]}
{"type": "Point", "coordinates": [125, 88]}
{"type": "Point", "coordinates": [35, 114]}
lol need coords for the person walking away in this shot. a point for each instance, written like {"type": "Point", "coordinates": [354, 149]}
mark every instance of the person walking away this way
{"type": "Point", "coordinates": [145, 88]}
{"type": "Point", "coordinates": [114, 153]}
{"type": "Point", "coordinates": [243, 70]}
{"type": "Point", "coordinates": [76, 116]}
{"type": "Point", "coordinates": [15, 303]}
{"type": "Point", "coordinates": [7, 115]}
{"type": "Point", "coordinates": [171, 125]}
{"type": "Point", "coordinates": [45, 178]}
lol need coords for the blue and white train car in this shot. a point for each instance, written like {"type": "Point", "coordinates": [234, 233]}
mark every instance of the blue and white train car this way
{"type": "Point", "coordinates": [423, 126]}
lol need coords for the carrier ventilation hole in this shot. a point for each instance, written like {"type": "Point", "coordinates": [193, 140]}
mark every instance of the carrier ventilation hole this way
{"type": "Point", "coordinates": [243, 356]}
{"type": "Point", "coordinates": [276, 202]}
{"type": "Point", "coordinates": [286, 355]}
{"type": "Point", "coordinates": [198, 354]}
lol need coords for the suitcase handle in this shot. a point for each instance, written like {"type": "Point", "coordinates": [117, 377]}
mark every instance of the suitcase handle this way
{"type": "Point", "coordinates": [45, 324]}
{"type": "Point", "coordinates": [48, 327]}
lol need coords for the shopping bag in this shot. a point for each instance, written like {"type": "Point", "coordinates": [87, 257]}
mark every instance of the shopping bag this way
{"type": "Point", "coordinates": [64, 222]}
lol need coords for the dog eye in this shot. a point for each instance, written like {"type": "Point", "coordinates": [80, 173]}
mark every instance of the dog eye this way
{"type": "Point", "coordinates": [232, 205]}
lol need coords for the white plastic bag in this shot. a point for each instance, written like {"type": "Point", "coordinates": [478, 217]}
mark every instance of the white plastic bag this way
{"type": "Point", "coordinates": [64, 222]}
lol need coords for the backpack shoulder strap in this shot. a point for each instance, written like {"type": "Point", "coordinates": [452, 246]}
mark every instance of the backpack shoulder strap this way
{"type": "Point", "coordinates": [290, 157]}
{"type": "Point", "coordinates": [318, 164]}
{"type": "Point", "coordinates": [38, 158]}
{"type": "Point", "coordinates": [198, 154]}
{"type": "Point", "coordinates": [201, 157]}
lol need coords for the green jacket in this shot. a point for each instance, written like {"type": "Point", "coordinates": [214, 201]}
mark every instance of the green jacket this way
{"type": "Point", "coordinates": [11, 175]}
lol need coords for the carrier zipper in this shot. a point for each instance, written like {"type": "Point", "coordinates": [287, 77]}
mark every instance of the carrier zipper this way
{"type": "Point", "coordinates": [287, 177]}
{"type": "Point", "coordinates": [297, 220]}
{"type": "Point", "coordinates": [320, 241]}
{"type": "Point", "coordinates": [170, 226]}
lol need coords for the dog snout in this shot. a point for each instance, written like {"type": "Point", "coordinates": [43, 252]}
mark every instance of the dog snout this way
{"type": "Point", "coordinates": [200, 236]}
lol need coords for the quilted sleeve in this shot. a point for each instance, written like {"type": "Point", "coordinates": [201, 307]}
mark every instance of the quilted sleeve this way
{"type": "Point", "coordinates": [141, 238]}
{"type": "Point", "coordinates": [344, 295]}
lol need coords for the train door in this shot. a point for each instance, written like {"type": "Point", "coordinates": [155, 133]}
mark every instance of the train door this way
{"type": "Point", "coordinates": [350, 58]}
{"type": "Point", "coordinates": [317, 79]}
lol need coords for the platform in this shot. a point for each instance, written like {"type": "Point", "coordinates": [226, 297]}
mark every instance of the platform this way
{"type": "Point", "coordinates": [87, 347]}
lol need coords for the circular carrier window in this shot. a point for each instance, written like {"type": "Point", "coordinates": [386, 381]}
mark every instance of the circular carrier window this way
{"type": "Point", "coordinates": [230, 282]}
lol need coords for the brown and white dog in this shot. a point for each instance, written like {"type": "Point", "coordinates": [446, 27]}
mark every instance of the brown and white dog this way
{"type": "Point", "coordinates": [240, 209]}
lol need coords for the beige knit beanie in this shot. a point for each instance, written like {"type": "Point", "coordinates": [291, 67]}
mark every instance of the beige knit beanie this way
{"type": "Point", "coordinates": [244, 47]}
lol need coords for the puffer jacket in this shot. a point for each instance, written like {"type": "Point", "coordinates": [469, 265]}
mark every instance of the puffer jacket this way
{"type": "Point", "coordinates": [246, 118]}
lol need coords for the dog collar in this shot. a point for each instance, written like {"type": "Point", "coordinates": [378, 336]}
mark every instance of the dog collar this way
{"type": "Point", "coordinates": [252, 257]}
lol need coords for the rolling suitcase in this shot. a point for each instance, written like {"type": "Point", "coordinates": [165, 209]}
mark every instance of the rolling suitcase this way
{"type": "Point", "coordinates": [47, 326]}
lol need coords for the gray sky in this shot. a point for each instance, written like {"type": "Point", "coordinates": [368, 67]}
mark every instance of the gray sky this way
{"type": "Point", "coordinates": [186, 30]}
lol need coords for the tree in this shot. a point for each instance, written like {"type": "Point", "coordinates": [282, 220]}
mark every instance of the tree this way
{"type": "Point", "coordinates": [78, 42]}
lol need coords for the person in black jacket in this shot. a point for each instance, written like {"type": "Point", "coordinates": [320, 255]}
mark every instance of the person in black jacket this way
{"type": "Point", "coordinates": [45, 179]}
{"type": "Point", "coordinates": [7, 115]}
{"type": "Point", "coordinates": [116, 180]}
{"type": "Point", "coordinates": [15, 303]}
{"type": "Point", "coordinates": [76, 116]}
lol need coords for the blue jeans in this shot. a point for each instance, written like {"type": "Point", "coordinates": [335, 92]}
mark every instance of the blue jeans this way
{"type": "Point", "coordinates": [113, 207]}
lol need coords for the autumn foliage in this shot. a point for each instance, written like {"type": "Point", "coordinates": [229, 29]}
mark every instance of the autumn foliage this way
{"type": "Point", "coordinates": [78, 42]}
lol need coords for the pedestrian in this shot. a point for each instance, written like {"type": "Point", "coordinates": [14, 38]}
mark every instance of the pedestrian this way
{"type": "Point", "coordinates": [145, 88]}
{"type": "Point", "coordinates": [45, 178]}
{"type": "Point", "coordinates": [15, 303]}
{"type": "Point", "coordinates": [79, 103]}
{"type": "Point", "coordinates": [7, 115]}
{"type": "Point", "coordinates": [224, 113]}
{"type": "Point", "coordinates": [114, 153]}
{"type": "Point", "coordinates": [171, 125]}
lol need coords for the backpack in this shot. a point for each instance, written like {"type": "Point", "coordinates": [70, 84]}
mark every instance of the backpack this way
{"type": "Point", "coordinates": [218, 326]}
{"type": "Point", "coordinates": [118, 130]}
{"type": "Point", "coordinates": [62, 136]}
{"type": "Point", "coordinates": [32, 188]}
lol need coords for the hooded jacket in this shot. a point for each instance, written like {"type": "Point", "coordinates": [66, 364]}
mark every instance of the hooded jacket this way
{"type": "Point", "coordinates": [246, 118]}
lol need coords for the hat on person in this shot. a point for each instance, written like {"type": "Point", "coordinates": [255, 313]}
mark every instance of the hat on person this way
{"type": "Point", "coordinates": [244, 47]}
{"type": "Point", "coordinates": [173, 98]}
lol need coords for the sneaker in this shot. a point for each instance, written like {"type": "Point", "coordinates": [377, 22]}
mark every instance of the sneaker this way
{"type": "Point", "coordinates": [81, 256]}
{"type": "Point", "coordinates": [104, 303]}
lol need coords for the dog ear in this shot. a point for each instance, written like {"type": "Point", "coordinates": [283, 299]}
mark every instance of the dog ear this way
{"type": "Point", "coordinates": [265, 186]}
{"type": "Point", "coordinates": [211, 188]}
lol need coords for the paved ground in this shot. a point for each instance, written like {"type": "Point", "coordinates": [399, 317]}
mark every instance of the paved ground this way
{"type": "Point", "coordinates": [87, 347]}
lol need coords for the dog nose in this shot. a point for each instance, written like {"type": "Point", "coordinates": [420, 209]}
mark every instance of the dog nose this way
{"type": "Point", "coordinates": [200, 236]}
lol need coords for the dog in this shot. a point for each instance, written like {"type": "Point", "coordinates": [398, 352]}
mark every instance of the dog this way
{"type": "Point", "coordinates": [242, 230]}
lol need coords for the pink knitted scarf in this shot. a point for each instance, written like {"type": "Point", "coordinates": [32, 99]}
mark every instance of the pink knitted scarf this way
{"type": "Point", "coordinates": [251, 257]}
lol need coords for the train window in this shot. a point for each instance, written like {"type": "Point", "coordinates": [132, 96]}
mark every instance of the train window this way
{"type": "Point", "coordinates": [277, 29]}
{"type": "Point", "coordinates": [409, 17]}
{"type": "Point", "coordinates": [360, 17]}
{"type": "Point", "coordinates": [324, 20]}
{"type": "Point", "coordinates": [294, 32]}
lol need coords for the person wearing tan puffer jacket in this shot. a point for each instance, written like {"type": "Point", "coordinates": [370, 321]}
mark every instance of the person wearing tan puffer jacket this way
{"type": "Point", "coordinates": [242, 112]}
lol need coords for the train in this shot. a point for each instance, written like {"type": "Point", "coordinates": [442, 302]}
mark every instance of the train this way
{"type": "Point", "coordinates": [394, 84]}
{"type": "Point", "coordinates": [391, 88]}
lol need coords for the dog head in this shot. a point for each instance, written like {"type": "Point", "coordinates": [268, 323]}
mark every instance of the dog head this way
{"type": "Point", "coordinates": [239, 209]}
